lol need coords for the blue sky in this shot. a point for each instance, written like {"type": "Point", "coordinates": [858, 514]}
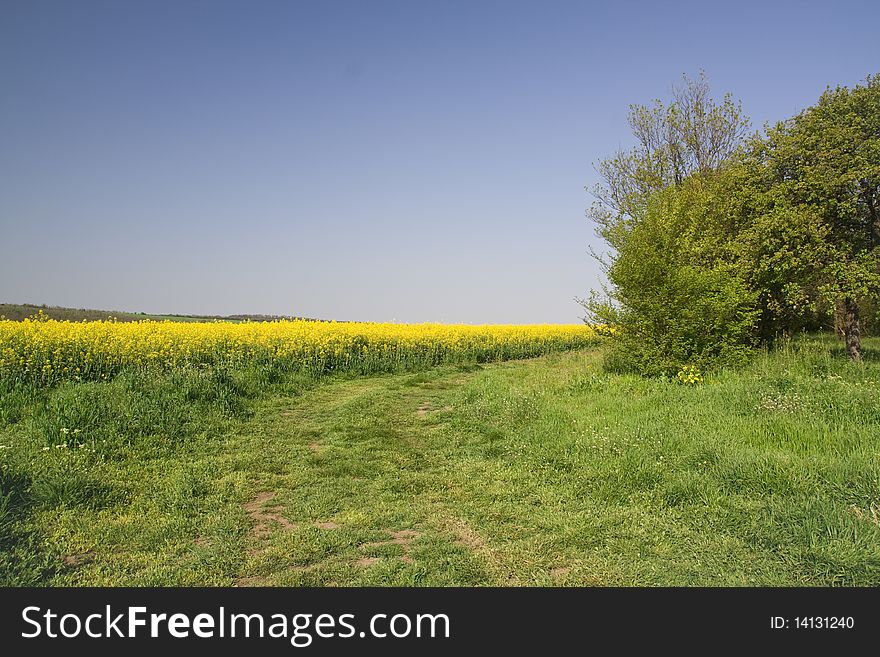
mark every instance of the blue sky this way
{"type": "Point", "coordinates": [406, 161]}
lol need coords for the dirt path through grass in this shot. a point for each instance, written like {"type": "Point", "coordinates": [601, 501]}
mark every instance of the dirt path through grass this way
{"type": "Point", "coordinates": [368, 491]}
{"type": "Point", "coordinates": [540, 472]}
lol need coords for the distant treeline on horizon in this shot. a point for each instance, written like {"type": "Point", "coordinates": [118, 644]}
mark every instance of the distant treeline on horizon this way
{"type": "Point", "coordinates": [20, 311]}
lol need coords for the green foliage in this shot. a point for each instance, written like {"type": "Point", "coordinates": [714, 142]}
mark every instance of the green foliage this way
{"type": "Point", "coordinates": [139, 405]}
{"type": "Point", "coordinates": [693, 134]}
{"type": "Point", "coordinates": [825, 165]}
{"type": "Point", "coordinates": [779, 254]}
{"type": "Point", "coordinates": [675, 299]}
{"type": "Point", "coordinates": [767, 240]}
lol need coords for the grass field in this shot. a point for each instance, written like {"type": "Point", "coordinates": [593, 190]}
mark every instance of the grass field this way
{"type": "Point", "coordinates": [536, 472]}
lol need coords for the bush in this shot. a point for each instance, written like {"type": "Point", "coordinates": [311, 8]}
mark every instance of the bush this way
{"type": "Point", "coordinates": [676, 299]}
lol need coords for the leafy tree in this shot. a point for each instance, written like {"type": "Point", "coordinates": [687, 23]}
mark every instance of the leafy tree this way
{"type": "Point", "coordinates": [672, 288]}
{"type": "Point", "coordinates": [779, 250]}
{"type": "Point", "coordinates": [823, 167]}
{"type": "Point", "coordinates": [692, 134]}
{"type": "Point", "coordinates": [717, 244]}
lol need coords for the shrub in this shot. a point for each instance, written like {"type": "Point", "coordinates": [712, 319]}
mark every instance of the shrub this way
{"type": "Point", "coordinates": [676, 299]}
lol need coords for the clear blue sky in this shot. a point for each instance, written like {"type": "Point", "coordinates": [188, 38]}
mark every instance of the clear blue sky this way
{"type": "Point", "coordinates": [408, 161]}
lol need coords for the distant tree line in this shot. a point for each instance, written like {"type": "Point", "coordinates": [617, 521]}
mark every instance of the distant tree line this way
{"type": "Point", "coordinates": [21, 311]}
{"type": "Point", "coordinates": [721, 241]}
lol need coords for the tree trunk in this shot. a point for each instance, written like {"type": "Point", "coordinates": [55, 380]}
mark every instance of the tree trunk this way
{"type": "Point", "coordinates": [851, 329]}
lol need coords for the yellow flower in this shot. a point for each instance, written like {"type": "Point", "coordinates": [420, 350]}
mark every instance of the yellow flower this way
{"type": "Point", "coordinates": [690, 375]}
{"type": "Point", "coordinates": [49, 350]}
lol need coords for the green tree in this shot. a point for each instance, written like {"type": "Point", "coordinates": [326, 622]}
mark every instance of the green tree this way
{"type": "Point", "coordinates": [671, 289]}
{"type": "Point", "coordinates": [823, 167]}
{"type": "Point", "coordinates": [715, 246]}
{"type": "Point", "coordinates": [692, 134]}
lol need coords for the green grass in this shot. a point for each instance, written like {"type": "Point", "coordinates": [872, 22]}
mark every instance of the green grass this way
{"type": "Point", "coordinates": [540, 472]}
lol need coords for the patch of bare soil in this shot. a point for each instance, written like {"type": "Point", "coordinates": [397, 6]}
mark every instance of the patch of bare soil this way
{"type": "Point", "coordinates": [76, 560]}
{"type": "Point", "coordinates": [403, 538]}
{"type": "Point", "coordinates": [467, 536]}
{"type": "Point", "coordinates": [426, 408]}
{"type": "Point", "coordinates": [264, 515]}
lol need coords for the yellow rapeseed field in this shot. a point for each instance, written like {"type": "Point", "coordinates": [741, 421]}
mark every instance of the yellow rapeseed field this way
{"type": "Point", "coordinates": [45, 351]}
